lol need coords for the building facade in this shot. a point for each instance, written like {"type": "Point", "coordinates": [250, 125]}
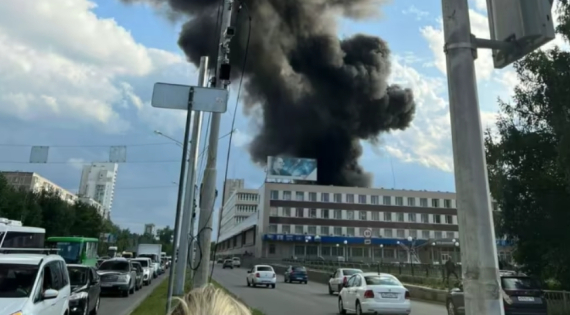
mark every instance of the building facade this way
{"type": "Point", "coordinates": [230, 186]}
{"type": "Point", "coordinates": [92, 202]}
{"type": "Point", "coordinates": [348, 223]}
{"type": "Point", "coordinates": [150, 229]}
{"type": "Point", "coordinates": [98, 182]}
{"type": "Point", "coordinates": [241, 204]}
{"type": "Point", "coordinates": [31, 181]}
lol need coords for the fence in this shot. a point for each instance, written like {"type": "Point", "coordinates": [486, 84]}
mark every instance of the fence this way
{"type": "Point", "coordinates": [431, 275]}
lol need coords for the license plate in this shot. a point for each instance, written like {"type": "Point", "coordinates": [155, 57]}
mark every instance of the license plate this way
{"type": "Point", "coordinates": [389, 295]}
{"type": "Point", "coordinates": [526, 299]}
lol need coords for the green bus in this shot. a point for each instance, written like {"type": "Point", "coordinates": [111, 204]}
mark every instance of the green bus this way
{"type": "Point", "coordinates": [76, 249]}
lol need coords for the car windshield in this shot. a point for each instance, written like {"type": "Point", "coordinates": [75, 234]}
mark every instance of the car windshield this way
{"type": "Point", "coordinates": [299, 269]}
{"type": "Point", "coordinates": [115, 265]}
{"type": "Point", "coordinates": [17, 280]}
{"type": "Point", "coordinates": [264, 268]}
{"type": "Point", "coordinates": [350, 272]}
{"type": "Point", "coordinates": [381, 280]}
{"type": "Point", "coordinates": [143, 263]}
{"type": "Point", "coordinates": [70, 252]}
{"type": "Point", "coordinates": [78, 275]}
{"type": "Point", "coordinates": [152, 257]}
{"type": "Point", "coordinates": [521, 283]}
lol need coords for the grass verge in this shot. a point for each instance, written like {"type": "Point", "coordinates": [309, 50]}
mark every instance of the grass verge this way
{"type": "Point", "coordinates": [155, 303]}
{"type": "Point", "coordinates": [253, 310]}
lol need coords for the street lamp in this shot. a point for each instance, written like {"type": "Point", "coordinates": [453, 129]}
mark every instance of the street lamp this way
{"type": "Point", "coordinates": [346, 250]}
{"type": "Point", "coordinates": [432, 254]}
{"type": "Point", "coordinates": [178, 143]}
{"type": "Point", "coordinates": [455, 250]}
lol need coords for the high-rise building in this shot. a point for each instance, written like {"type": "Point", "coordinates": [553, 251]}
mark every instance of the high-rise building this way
{"type": "Point", "coordinates": [230, 186]}
{"type": "Point", "coordinates": [98, 182]}
{"type": "Point", "coordinates": [150, 229]}
{"type": "Point", "coordinates": [241, 204]}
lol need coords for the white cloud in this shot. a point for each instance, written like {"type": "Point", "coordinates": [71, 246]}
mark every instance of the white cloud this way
{"type": "Point", "coordinates": [428, 140]}
{"type": "Point", "coordinates": [77, 163]}
{"type": "Point", "coordinates": [60, 63]}
{"type": "Point", "coordinates": [413, 10]}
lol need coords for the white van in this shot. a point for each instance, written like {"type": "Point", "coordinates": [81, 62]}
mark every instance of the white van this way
{"type": "Point", "coordinates": [236, 262]}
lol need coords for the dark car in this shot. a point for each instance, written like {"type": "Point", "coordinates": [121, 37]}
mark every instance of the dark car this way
{"type": "Point", "coordinates": [85, 289]}
{"type": "Point", "coordinates": [228, 263]}
{"type": "Point", "coordinates": [296, 274]}
{"type": "Point", "coordinates": [139, 274]}
{"type": "Point", "coordinates": [521, 295]}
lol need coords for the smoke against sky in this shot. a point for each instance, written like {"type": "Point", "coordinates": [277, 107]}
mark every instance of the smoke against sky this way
{"type": "Point", "coordinates": [320, 95]}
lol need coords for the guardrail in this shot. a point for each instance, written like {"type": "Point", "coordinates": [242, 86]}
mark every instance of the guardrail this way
{"type": "Point", "coordinates": [423, 283]}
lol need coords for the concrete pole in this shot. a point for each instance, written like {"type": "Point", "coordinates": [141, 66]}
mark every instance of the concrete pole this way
{"type": "Point", "coordinates": [189, 195]}
{"type": "Point", "coordinates": [207, 202]}
{"type": "Point", "coordinates": [480, 265]}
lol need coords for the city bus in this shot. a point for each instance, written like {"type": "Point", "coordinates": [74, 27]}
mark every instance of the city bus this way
{"type": "Point", "coordinates": [14, 235]}
{"type": "Point", "coordinates": [76, 249]}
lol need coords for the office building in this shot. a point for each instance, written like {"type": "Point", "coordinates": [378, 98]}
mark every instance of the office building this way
{"type": "Point", "coordinates": [98, 182]}
{"type": "Point", "coordinates": [241, 204]}
{"type": "Point", "coordinates": [347, 223]}
{"type": "Point", "coordinates": [31, 181]}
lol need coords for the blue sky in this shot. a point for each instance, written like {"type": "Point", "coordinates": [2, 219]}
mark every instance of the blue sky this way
{"type": "Point", "coordinates": [77, 76]}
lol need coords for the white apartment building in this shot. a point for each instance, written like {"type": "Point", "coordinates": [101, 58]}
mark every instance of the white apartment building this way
{"type": "Point", "coordinates": [230, 186]}
{"type": "Point", "coordinates": [98, 183]}
{"type": "Point", "coordinates": [241, 204]}
{"type": "Point", "coordinates": [356, 223]}
{"type": "Point", "coordinates": [34, 182]}
{"type": "Point", "coordinates": [92, 202]}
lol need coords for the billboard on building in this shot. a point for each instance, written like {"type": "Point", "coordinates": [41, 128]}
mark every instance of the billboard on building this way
{"type": "Point", "coordinates": [290, 168]}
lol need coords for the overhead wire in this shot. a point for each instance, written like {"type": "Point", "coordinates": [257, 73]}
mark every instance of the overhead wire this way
{"type": "Point", "coordinates": [243, 65]}
{"type": "Point", "coordinates": [15, 145]}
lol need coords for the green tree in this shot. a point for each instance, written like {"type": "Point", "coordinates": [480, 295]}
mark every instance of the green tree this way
{"type": "Point", "coordinates": [529, 161]}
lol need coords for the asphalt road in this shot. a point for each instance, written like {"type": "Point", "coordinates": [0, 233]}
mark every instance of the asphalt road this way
{"type": "Point", "coordinates": [116, 305]}
{"type": "Point", "coordinates": [295, 299]}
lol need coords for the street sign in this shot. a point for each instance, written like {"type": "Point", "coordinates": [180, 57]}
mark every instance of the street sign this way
{"type": "Point", "coordinates": [527, 24]}
{"type": "Point", "coordinates": [177, 96]}
{"type": "Point", "coordinates": [367, 233]}
{"type": "Point", "coordinates": [367, 241]}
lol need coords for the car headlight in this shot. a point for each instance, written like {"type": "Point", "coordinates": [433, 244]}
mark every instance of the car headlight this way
{"type": "Point", "coordinates": [123, 278]}
{"type": "Point", "coordinates": [78, 296]}
{"type": "Point", "coordinates": [17, 313]}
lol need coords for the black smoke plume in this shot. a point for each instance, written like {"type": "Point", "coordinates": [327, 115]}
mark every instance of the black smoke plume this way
{"type": "Point", "coordinates": [320, 95]}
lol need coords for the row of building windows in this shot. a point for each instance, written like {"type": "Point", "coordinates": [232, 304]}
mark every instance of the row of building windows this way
{"type": "Point", "coordinates": [247, 208]}
{"type": "Point", "coordinates": [247, 197]}
{"type": "Point", "coordinates": [354, 231]}
{"type": "Point", "coordinates": [363, 199]}
{"type": "Point", "coordinates": [361, 215]}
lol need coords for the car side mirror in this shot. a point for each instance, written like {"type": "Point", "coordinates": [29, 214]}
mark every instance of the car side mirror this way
{"type": "Point", "coordinates": [50, 294]}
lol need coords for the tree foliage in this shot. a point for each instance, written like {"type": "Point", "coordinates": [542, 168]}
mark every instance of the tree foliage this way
{"type": "Point", "coordinates": [59, 218]}
{"type": "Point", "coordinates": [528, 161]}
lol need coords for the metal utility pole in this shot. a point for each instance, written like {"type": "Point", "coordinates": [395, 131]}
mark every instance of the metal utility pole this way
{"type": "Point", "coordinates": [189, 195]}
{"type": "Point", "coordinates": [477, 235]}
{"type": "Point", "coordinates": [209, 193]}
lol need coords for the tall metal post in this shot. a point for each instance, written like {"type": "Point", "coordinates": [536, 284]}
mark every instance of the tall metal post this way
{"type": "Point", "coordinates": [189, 195]}
{"type": "Point", "coordinates": [209, 183]}
{"type": "Point", "coordinates": [479, 263]}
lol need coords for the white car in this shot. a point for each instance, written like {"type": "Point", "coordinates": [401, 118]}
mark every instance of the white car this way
{"type": "Point", "coordinates": [236, 262]}
{"type": "Point", "coordinates": [261, 275]}
{"type": "Point", "coordinates": [339, 277]}
{"type": "Point", "coordinates": [373, 293]}
{"type": "Point", "coordinates": [34, 284]}
{"type": "Point", "coordinates": [148, 270]}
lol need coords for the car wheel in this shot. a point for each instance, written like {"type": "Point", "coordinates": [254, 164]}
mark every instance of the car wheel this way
{"type": "Point", "coordinates": [341, 309]}
{"type": "Point", "coordinates": [86, 309]}
{"type": "Point", "coordinates": [450, 308]}
{"type": "Point", "coordinates": [126, 293]}
{"type": "Point", "coordinates": [273, 286]}
{"type": "Point", "coordinates": [306, 282]}
{"type": "Point", "coordinates": [330, 290]}
{"type": "Point", "coordinates": [96, 308]}
{"type": "Point", "coordinates": [358, 308]}
{"type": "Point", "coordinates": [247, 282]}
